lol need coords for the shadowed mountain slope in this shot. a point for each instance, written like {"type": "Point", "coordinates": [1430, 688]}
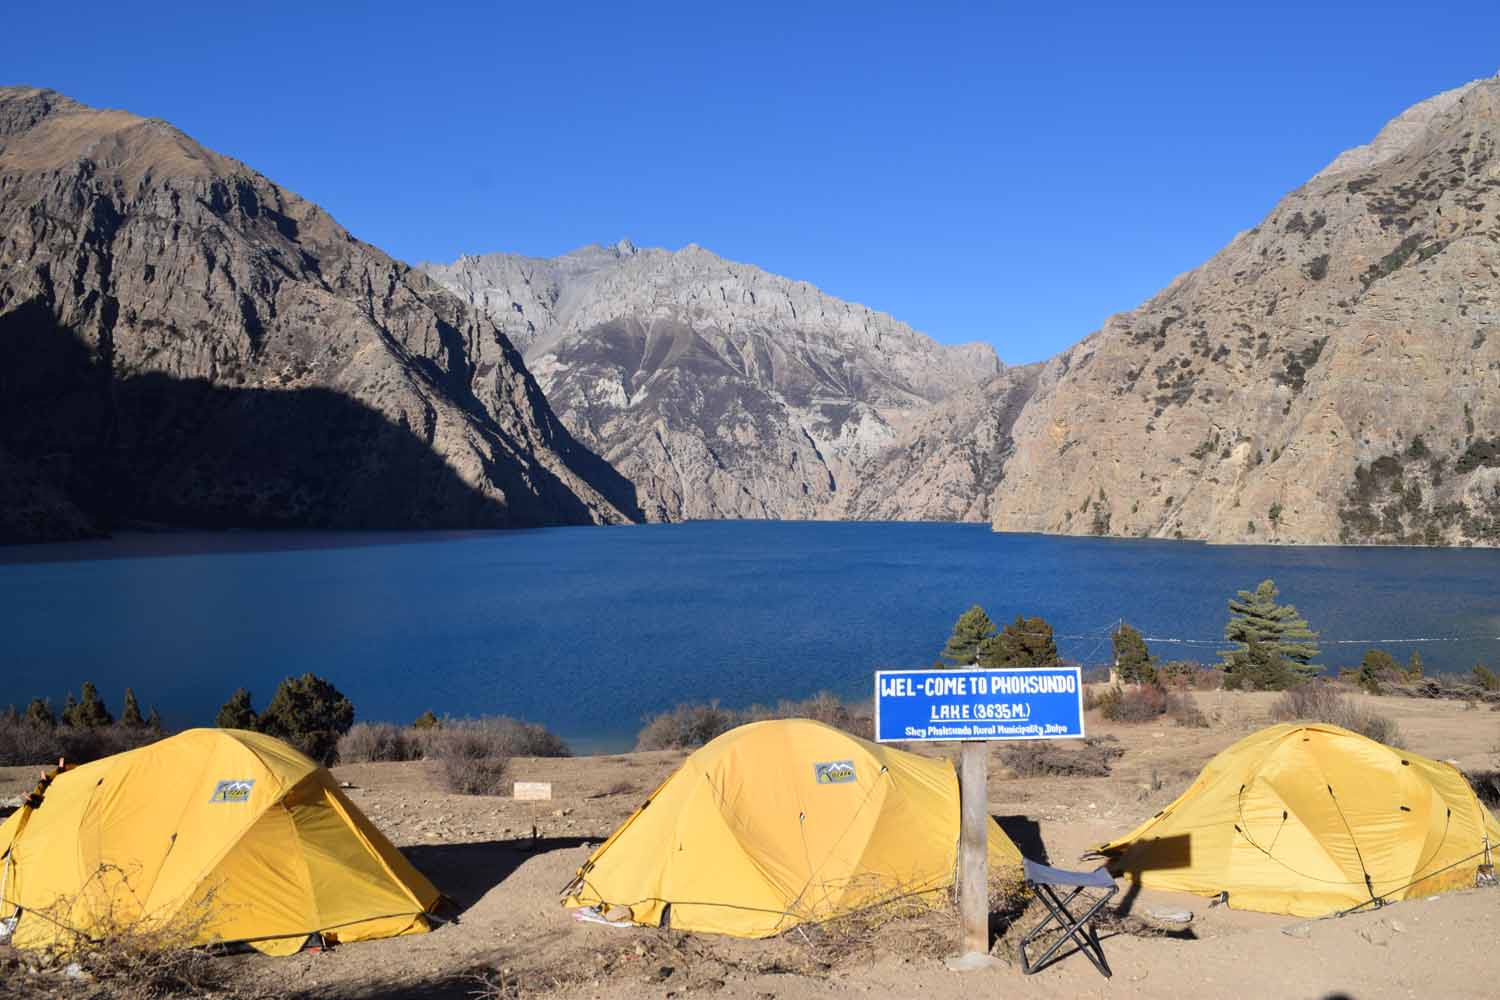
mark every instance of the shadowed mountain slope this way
{"type": "Point", "coordinates": [183, 342]}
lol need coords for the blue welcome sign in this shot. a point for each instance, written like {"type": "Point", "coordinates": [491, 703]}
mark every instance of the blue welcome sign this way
{"type": "Point", "coordinates": [1035, 703]}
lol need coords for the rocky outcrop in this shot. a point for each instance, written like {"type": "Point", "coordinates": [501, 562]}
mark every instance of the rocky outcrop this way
{"type": "Point", "coordinates": [1333, 375]}
{"type": "Point", "coordinates": [183, 342]}
{"type": "Point", "coordinates": [719, 389]}
{"type": "Point", "coordinates": [947, 462]}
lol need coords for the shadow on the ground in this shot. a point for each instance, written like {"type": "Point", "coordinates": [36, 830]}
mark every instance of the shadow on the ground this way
{"type": "Point", "coordinates": [465, 872]}
{"type": "Point", "coordinates": [1026, 834]}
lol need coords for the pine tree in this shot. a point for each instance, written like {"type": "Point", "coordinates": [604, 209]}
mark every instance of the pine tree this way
{"type": "Point", "coordinates": [39, 713]}
{"type": "Point", "coordinates": [1258, 667]}
{"type": "Point", "coordinates": [970, 632]}
{"type": "Point", "coordinates": [1256, 616]}
{"type": "Point", "coordinates": [237, 713]}
{"type": "Point", "coordinates": [90, 712]}
{"type": "Point", "coordinates": [130, 715]}
{"type": "Point", "coordinates": [309, 713]}
{"type": "Point", "coordinates": [1133, 659]}
{"type": "Point", "coordinates": [153, 720]}
{"type": "Point", "coordinates": [70, 710]}
{"type": "Point", "coordinates": [1025, 642]}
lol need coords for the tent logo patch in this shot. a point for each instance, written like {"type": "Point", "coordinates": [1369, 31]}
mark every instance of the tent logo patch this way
{"type": "Point", "coordinates": [232, 792]}
{"type": "Point", "coordinates": [834, 772]}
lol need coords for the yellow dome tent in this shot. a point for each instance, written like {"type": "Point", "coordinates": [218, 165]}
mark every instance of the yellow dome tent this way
{"type": "Point", "coordinates": [234, 835]}
{"type": "Point", "coordinates": [779, 823]}
{"type": "Point", "coordinates": [1311, 819]}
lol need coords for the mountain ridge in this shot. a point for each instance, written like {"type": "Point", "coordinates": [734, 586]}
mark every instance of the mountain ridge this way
{"type": "Point", "coordinates": [184, 342]}
{"type": "Point", "coordinates": [720, 389]}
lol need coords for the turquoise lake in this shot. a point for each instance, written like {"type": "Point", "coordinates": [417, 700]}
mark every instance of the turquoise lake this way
{"type": "Point", "coordinates": [589, 629]}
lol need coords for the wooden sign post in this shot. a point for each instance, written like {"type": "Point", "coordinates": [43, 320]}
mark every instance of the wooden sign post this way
{"type": "Point", "coordinates": [973, 859]}
{"type": "Point", "coordinates": [977, 706]}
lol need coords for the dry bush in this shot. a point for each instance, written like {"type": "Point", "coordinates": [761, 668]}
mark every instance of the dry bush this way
{"type": "Point", "coordinates": [1038, 758]}
{"type": "Point", "coordinates": [1145, 703]}
{"type": "Point", "coordinates": [128, 955]}
{"type": "Point", "coordinates": [475, 757]}
{"type": "Point", "coordinates": [1322, 701]}
{"type": "Point", "coordinates": [824, 707]}
{"type": "Point", "coordinates": [520, 739]}
{"type": "Point", "coordinates": [686, 726]}
{"type": "Point", "coordinates": [1183, 709]}
{"type": "Point", "coordinates": [24, 742]}
{"type": "Point", "coordinates": [689, 726]}
{"type": "Point", "coordinates": [1486, 785]}
{"type": "Point", "coordinates": [381, 742]}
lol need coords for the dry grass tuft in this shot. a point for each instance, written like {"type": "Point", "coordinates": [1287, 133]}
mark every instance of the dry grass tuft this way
{"type": "Point", "coordinates": [1322, 701]}
{"type": "Point", "coordinates": [1093, 758]}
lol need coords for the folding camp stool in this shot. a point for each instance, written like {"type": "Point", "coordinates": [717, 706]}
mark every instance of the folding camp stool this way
{"type": "Point", "coordinates": [1080, 929]}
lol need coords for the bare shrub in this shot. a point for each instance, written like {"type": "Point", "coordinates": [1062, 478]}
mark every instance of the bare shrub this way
{"type": "Point", "coordinates": [474, 756]}
{"type": "Point", "coordinates": [521, 739]}
{"type": "Point", "coordinates": [380, 742]}
{"type": "Point", "coordinates": [1322, 701]}
{"type": "Point", "coordinates": [824, 707]}
{"type": "Point", "coordinates": [1034, 759]}
{"type": "Point", "coordinates": [1182, 708]}
{"type": "Point", "coordinates": [1146, 703]}
{"type": "Point", "coordinates": [25, 742]}
{"type": "Point", "coordinates": [129, 955]}
{"type": "Point", "coordinates": [1486, 785]}
{"type": "Point", "coordinates": [686, 726]}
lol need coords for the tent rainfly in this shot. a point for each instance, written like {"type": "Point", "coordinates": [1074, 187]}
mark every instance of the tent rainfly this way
{"type": "Point", "coordinates": [232, 835]}
{"type": "Point", "coordinates": [779, 823]}
{"type": "Point", "coordinates": [1310, 819]}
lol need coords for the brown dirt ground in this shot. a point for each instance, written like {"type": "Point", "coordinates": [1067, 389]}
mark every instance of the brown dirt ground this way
{"type": "Point", "coordinates": [511, 928]}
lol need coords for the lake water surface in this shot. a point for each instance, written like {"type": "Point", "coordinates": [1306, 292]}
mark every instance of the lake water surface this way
{"type": "Point", "coordinates": [589, 629]}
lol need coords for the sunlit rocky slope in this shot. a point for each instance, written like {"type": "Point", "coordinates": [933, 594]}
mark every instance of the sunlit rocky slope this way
{"type": "Point", "coordinates": [1332, 375]}
{"type": "Point", "coordinates": [719, 389]}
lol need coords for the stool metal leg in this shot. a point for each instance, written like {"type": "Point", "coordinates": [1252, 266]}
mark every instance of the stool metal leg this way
{"type": "Point", "coordinates": [1081, 930]}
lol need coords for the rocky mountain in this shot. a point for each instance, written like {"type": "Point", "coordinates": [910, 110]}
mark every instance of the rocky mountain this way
{"type": "Point", "coordinates": [947, 461]}
{"type": "Point", "coordinates": [183, 342]}
{"type": "Point", "coordinates": [719, 389]}
{"type": "Point", "coordinates": [1332, 375]}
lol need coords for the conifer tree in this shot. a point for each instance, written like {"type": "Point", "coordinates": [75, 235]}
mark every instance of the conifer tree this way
{"type": "Point", "coordinates": [39, 713]}
{"type": "Point", "coordinates": [1133, 659]}
{"type": "Point", "coordinates": [90, 712]}
{"type": "Point", "coordinates": [1255, 616]}
{"type": "Point", "coordinates": [1257, 667]}
{"type": "Point", "coordinates": [130, 715]}
{"type": "Point", "coordinates": [153, 720]}
{"type": "Point", "coordinates": [237, 713]}
{"type": "Point", "coordinates": [309, 713]}
{"type": "Point", "coordinates": [69, 710]}
{"type": "Point", "coordinates": [1025, 642]}
{"type": "Point", "coordinates": [970, 632]}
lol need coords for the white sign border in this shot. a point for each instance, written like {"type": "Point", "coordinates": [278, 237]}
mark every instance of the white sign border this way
{"type": "Point", "coordinates": [1082, 712]}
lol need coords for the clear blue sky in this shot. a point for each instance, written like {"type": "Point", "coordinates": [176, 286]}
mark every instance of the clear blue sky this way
{"type": "Point", "coordinates": [1006, 172]}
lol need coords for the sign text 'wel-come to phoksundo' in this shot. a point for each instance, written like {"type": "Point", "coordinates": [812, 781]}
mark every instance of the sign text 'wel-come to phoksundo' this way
{"type": "Point", "coordinates": [1035, 703]}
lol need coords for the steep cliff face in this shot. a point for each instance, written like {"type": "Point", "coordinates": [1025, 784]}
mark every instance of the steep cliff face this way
{"type": "Point", "coordinates": [184, 342]}
{"type": "Point", "coordinates": [1332, 375]}
{"type": "Point", "coordinates": [947, 461]}
{"type": "Point", "coordinates": [719, 389]}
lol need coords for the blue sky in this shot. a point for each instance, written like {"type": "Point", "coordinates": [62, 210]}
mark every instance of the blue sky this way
{"type": "Point", "coordinates": [1006, 172]}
